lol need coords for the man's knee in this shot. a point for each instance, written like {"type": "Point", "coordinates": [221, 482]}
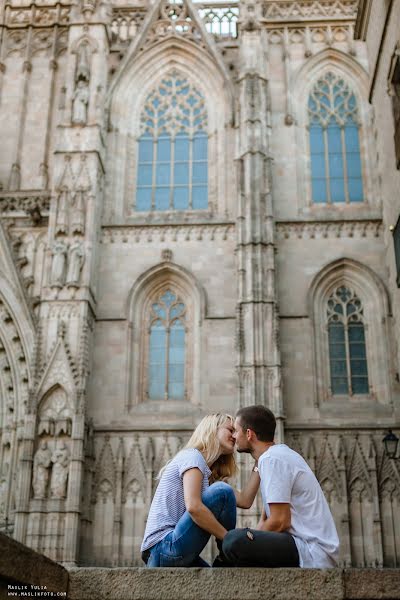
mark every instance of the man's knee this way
{"type": "Point", "coordinates": [232, 542]}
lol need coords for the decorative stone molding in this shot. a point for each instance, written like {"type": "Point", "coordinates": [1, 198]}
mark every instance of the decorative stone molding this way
{"type": "Point", "coordinates": [167, 233]}
{"type": "Point", "coordinates": [329, 229]}
{"type": "Point", "coordinates": [305, 10]}
{"type": "Point", "coordinates": [24, 202]}
{"type": "Point", "coordinates": [45, 16]}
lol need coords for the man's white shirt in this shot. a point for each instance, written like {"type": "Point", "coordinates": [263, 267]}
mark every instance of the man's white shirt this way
{"type": "Point", "coordinates": [287, 478]}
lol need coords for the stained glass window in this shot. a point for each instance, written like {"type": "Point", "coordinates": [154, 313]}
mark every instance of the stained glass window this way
{"type": "Point", "coordinates": [346, 336]}
{"type": "Point", "coordinates": [172, 169]}
{"type": "Point", "coordinates": [336, 174]}
{"type": "Point", "coordinates": [166, 371]}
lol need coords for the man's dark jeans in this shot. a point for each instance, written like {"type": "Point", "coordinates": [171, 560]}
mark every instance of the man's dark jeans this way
{"type": "Point", "coordinates": [254, 548]}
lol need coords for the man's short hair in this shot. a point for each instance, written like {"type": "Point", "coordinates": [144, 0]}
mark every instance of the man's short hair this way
{"type": "Point", "coordinates": [260, 419]}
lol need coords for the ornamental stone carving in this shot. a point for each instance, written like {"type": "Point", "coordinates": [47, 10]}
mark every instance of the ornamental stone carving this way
{"type": "Point", "coordinates": [59, 254]}
{"type": "Point", "coordinates": [80, 103]}
{"type": "Point", "coordinates": [76, 258]}
{"type": "Point", "coordinates": [59, 475]}
{"type": "Point", "coordinates": [41, 470]}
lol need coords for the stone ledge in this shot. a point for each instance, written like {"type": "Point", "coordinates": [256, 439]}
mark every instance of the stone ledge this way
{"type": "Point", "coordinates": [22, 565]}
{"type": "Point", "coordinates": [233, 584]}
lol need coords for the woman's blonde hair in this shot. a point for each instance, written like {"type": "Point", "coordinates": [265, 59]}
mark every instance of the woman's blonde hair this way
{"type": "Point", "coordinates": [204, 438]}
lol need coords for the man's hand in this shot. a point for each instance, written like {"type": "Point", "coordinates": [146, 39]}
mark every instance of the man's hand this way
{"type": "Point", "coordinates": [279, 518]}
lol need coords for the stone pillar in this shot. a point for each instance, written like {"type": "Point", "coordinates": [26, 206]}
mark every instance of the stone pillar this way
{"type": "Point", "coordinates": [259, 366]}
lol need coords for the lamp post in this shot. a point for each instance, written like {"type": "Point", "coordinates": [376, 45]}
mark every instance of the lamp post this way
{"type": "Point", "coordinates": [391, 442]}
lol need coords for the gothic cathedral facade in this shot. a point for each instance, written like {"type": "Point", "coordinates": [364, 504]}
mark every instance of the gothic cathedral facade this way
{"type": "Point", "coordinates": [191, 221]}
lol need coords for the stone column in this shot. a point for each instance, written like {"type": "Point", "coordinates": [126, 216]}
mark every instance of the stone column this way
{"type": "Point", "coordinates": [259, 367]}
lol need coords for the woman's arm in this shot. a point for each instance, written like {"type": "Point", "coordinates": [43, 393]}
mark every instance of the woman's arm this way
{"type": "Point", "coordinates": [245, 498]}
{"type": "Point", "coordinates": [201, 515]}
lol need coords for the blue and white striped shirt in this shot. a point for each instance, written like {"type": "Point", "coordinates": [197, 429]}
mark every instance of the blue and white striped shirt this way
{"type": "Point", "coordinates": [168, 503]}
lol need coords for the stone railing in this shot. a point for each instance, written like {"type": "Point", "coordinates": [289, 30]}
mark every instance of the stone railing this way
{"type": "Point", "coordinates": [220, 19]}
{"type": "Point", "coordinates": [309, 10]}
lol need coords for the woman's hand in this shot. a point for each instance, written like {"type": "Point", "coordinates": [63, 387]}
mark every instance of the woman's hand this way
{"type": "Point", "coordinates": [245, 498]}
{"type": "Point", "coordinates": [201, 515]}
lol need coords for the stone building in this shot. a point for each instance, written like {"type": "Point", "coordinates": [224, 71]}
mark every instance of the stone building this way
{"type": "Point", "coordinates": [195, 202]}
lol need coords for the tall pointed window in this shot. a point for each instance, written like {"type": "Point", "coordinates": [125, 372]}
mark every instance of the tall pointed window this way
{"type": "Point", "coordinates": [167, 340]}
{"type": "Point", "coordinates": [172, 168]}
{"type": "Point", "coordinates": [347, 352]}
{"type": "Point", "coordinates": [334, 142]}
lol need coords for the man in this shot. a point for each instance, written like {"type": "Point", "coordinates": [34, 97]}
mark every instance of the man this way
{"type": "Point", "coordinates": [296, 528]}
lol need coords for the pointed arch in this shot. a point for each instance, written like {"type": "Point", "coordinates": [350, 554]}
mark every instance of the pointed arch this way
{"type": "Point", "coordinates": [373, 306]}
{"type": "Point", "coordinates": [166, 297]}
{"type": "Point", "coordinates": [135, 82]}
{"type": "Point", "coordinates": [354, 77]}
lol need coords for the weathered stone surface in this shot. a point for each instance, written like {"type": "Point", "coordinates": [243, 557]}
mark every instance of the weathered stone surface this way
{"type": "Point", "coordinates": [371, 583]}
{"type": "Point", "coordinates": [22, 565]}
{"type": "Point", "coordinates": [204, 584]}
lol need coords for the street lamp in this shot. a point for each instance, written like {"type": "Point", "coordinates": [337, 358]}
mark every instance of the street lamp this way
{"type": "Point", "coordinates": [391, 441]}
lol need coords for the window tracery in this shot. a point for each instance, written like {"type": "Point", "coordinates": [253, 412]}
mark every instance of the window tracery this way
{"type": "Point", "coordinates": [173, 148]}
{"type": "Point", "coordinates": [334, 124]}
{"type": "Point", "coordinates": [346, 339]}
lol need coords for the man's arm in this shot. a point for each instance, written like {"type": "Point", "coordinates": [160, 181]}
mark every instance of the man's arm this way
{"type": "Point", "coordinates": [245, 498]}
{"type": "Point", "coordinates": [201, 515]}
{"type": "Point", "coordinates": [279, 519]}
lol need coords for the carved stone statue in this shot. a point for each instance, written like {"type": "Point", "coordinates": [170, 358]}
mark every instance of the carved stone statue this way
{"type": "Point", "coordinates": [80, 103]}
{"type": "Point", "coordinates": [58, 265]}
{"type": "Point", "coordinates": [76, 259]}
{"type": "Point", "coordinates": [78, 213]}
{"type": "Point", "coordinates": [59, 475]}
{"type": "Point", "coordinates": [41, 465]}
{"type": "Point", "coordinates": [62, 213]}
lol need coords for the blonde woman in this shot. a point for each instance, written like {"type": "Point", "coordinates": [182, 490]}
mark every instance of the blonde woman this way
{"type": "Point", "coordinates": [192, 501]}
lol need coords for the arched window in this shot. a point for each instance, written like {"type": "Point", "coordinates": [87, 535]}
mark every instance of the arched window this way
{"type": "Point", "coordinates": [172, 168]}
{"type": "Point", "coordinates": [347, 352]}
{"type": "Point", "coordinates": [334, 142]}
{"type": "Point", "coordinates": [167, 338]}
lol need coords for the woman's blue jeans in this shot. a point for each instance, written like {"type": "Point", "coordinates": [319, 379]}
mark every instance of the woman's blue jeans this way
{"type": "Point", "coordinates": [182, 546]}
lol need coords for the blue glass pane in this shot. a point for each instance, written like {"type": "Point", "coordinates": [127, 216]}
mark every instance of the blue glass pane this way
{"type": "Point", "coordinates": [352, 139]}
{"type": "Point", "coordinates": [177, 337]}
{"type": "Point", "coordinates": [337, 190]}
{"type": "Point", "coordinates": [337, 351]}
{"type": "Point", "coordinates": [176, 391]}
{"type": "Point", "coordinates": [143, 199]}
{"type": "Point", "coordinates": [353, 165]}
{"type": "Point", "coordinates": [318, 165]}
{"type": "Point", "coordinates": [163, 174]}
{"type": "Point", "coordinates": [199, 174]}
{"type": "Point", "coordinates": [176, 373]}
{"type": "Point", "coordinates": [355, 189]}
{"type": "Point", "coordinates": [181, 148]}
{"type": "Point", "coordinates": [168, 298]}
{"type": "Point", "coordinates": [145, 150]}
{"type": "Point", "coordinates": [339, 385]}
{"type": "Point", "coordinates": [200, 147]}
{"type": "Point", "coordinates": [319, 190]}
{"type": "Point", "coordinates": [181, 173]}
{"type": "Point", "coordinates": [357, 350]}
{"type": "Point", "coordinates": [157, 356]}
{"type": "Point", "coordinates": [356, 332]}
{"type": "Point", "coordinates": [358, 367]}
{"type": "Point", "coordinates": [181, 198]}
{"type": "Point", "coordinates": [199, 197]}
{"type": "Point", "coordinates": [338, 368]}
{"type": "Point", "coordinates": [336, 165]}
{"type": "Point", "coordinates": [317, 145]}
{"type": "Point", "coordinates": [176, 311]}
{"type": "Point", "coordinates": [336, 333]}
{"type": "Point", "coordinates": [359, 385]}
{"type": "Point", "coordinates": [162, 199]}
{"type": "Point", "coordinates": [334, 140]}
{"type": "Point", "coordinates": [145, 174]}
{"type": "Point", "coordinates": [163, 149]}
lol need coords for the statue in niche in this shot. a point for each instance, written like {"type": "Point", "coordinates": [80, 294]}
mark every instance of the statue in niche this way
{"type": "Point", "coordinates": [59, 475]}
{"type": "Point", "coordinates": [82, 63]}
{"type": "Point", "coordinates": [76, 258]}
{"type": "Point", "coordinates": [80, 103]}
{"type": "Point", "coordinates": [62, 213]}
{"type": "Point", "coordinates": [58, 265]}
{"type": "Point", "coordinates": [78, 213]}
{"type": "Point", "coordinates": [41, 466]}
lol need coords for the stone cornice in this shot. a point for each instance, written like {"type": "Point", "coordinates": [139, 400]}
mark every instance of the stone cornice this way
{"type": "Point", "coordinates": [371, 228]}
{"type": "Point", "coordinates": [168, 233]}
{"type": "Point", "coordinates": [24, 202]}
